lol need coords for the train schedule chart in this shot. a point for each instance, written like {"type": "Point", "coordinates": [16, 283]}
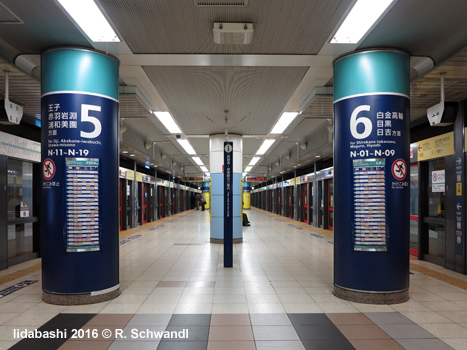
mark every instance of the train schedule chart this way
{"type": "Point", "coordinates": [369, 197]}
{"type": "Point", "coordinates": [82, 204]}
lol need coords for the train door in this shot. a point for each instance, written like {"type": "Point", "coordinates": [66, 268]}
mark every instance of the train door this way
{"type": "Point", "coordinates": [330, 204]}
{"type": "Point", "coordinates": [311, 202]}
{"type": "Point", "coordinates": [160, 194]}
{"type": "Point", "coordinates": [321, 191]}
{"type": "Point", "coordinates": [305, 203]}
{"type": "Point", "coordinates": [144, 202]}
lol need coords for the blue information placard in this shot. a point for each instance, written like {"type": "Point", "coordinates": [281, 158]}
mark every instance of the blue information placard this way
{"type": "Point", "coordinates": [228, 204]}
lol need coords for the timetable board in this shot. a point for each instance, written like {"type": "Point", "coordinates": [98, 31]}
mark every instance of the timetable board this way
{"type": "Point", "coordinates": [369, 197]}
{"type": "Point", "coordinates": [82, 205]}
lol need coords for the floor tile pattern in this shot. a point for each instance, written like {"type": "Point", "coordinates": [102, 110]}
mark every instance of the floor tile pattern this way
{"type": "Point", "coordinates": [238, 331]}
{"type": "Point", "coordinates": [278, 295]}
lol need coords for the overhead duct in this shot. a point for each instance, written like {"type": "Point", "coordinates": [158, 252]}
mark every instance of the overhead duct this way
{"type": "Point", "coordinates": [443, 113]}
{"type": "Point", "coordinates": [12, 113]}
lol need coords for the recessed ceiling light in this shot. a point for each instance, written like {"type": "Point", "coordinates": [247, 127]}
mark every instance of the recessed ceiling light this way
{"type": "Point", "coordinates": [186, 146]}
{"type": "Point", "coordinates": [124, 152]}
{"type": "Point", "coordinates": [132, 155]}
{"type": "Point", "coordinates": [198, 160]}
{"type": "Point", "coordinates": [168, 121]}
{"type": "Point", "coordinates": [254, 160]}
{"type": "Point", "coordinates": [265, 146]}
{"type": "Point", "coordinates": [90, 19]}
{"type": "Point", "coordinates": [283, 122]}
{"type": "Point", "coordinates": [359, 20]}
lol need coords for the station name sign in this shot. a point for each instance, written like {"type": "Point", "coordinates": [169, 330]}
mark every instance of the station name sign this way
{"type": "Point", "coordinates": [256, 179]}
{"type": "Point", "coordinates": [193, 178]}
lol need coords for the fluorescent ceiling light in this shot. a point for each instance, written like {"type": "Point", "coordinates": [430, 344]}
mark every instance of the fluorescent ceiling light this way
{"type": "Point", "coordinates": [203, 168]}
{"type": "Point", "coordinates": [359, 20]}
{"type": "Point", "coordinates": [244, 174]}
{"type": "Point", "coordinates": [254, 160]}
{"type": "Point", "coordinates": [283, 122]}
{"type": "Point", "coordinates": [186, 146]}
{"type": "Point", "coordinates": [198, 160]}
{"type": "Point", "coordinates": [265, 146]}
{"type": "Point", "coordinates": [248, 169]}
{"type": "Point", "coordinates": [168, 121]}
{"type": "Point", "coordinates": [90, 19]}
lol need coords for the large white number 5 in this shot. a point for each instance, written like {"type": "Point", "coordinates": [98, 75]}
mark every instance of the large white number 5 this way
{"type": "Point", "coordinates": [366, 123]}
{"type": "Point", "coordinates": [86, 118]}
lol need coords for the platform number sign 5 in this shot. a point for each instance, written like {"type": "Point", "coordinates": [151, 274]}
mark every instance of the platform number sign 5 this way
{"type": "Point", "coordinates": [355, 121]}
{"type": "Point", "coordinates": [85, 117]}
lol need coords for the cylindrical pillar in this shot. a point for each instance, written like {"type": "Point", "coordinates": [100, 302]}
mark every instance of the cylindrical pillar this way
{"type": "Point", "coordinates": [371, 160]}
{"type": "Point", "coordinates": [216, 162]}
{"type": "Point", "coordinates": [246, 195]}
{"type": "Point", "coordinates": [80, 229]}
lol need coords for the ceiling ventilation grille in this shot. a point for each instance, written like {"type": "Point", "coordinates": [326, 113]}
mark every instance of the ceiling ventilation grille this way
{"type": "Point", "coordinates": [221, 3]}
{"type": "Point", "coordinates": [8, 17]}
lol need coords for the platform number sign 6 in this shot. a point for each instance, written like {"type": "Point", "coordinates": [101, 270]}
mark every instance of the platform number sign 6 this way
{"type": "Point", "coordinates": [355, 120]}
{"type": "Point", "coordinates": [85, 117]}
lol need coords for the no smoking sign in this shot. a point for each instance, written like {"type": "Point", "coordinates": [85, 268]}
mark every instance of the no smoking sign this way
{"type": "Point", "coordinates": [399, 169]}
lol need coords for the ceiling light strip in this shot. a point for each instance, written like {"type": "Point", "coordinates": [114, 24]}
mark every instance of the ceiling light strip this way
{"type": "Point", "coordinates": [90, 19]}
{"type": "Point", "coordinates": [359, 20]}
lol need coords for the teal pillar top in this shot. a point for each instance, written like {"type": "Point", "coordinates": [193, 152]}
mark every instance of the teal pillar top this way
{"type": "Point", "coordinates": [371, 72]}
{"type": "Point", "coordinates": [79, 70]}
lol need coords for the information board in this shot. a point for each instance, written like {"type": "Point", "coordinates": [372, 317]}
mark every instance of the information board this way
{"type": "Point", "coordinates": [370, 231]}
{"type": "Point", "coordinates": [82, 204]}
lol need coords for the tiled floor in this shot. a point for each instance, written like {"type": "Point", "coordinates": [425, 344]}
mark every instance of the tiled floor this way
{"type": "Point", "coordinates": [278, 295]}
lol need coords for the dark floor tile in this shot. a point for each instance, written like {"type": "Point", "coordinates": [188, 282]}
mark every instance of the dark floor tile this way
{"type": "Point", "coordinates": [62, 320]}
{"type": "Point", "coordinates": [318, 332]}
{"type": "Point", "coordinates": [192, 333]}
{"type": "Point", "coordinates": [193, 345]}
{"type": "Point", "coordinates": [328, 344]}
{"type": "Point", "coordinates": [190, 320]}
{"type": "Point", "coordinates": [38, 344]}
{"type": "Point", "coordinates": [309, 319]}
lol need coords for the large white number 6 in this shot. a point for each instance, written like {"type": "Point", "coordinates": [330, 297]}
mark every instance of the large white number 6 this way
{"type": "Point", "coordinates": [366, 123]}
{"type": "Point", "coordinates": [86, 118]}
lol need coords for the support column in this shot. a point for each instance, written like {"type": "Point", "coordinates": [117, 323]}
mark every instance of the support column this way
{"type": "Point", "coordinates": [80, 228]}
{"type": "Point", "coordinates": [216, 162]}
{"type": "Point", "coordinates": [371, 164]}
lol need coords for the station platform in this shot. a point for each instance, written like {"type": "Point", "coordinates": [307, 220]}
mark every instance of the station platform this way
{"type": "Point", "coordinates": [278, 295]}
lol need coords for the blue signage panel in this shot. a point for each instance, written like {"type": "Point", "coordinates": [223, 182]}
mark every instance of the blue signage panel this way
{"type": "Point", "coordinates": [371, 176]}
{"type": "Point", "coordinates": [228, 204]}
{"type": "Point", "coordinates": [80, 163]}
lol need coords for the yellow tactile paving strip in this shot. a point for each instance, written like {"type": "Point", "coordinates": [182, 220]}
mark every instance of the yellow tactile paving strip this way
{"type": "Point", "coordinates": [21, 273]}
{"type": "Point", "coordinates": [439, 276]}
